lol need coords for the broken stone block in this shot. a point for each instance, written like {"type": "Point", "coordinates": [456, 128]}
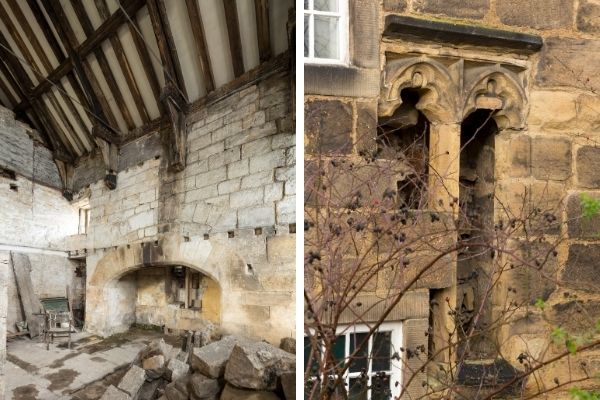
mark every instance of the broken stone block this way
{"type": "Point", "coordinates": [202, 387]}
{"type": "Point", "coordinates": [149, 389]}
{"type": "Point", "coordinates": [112, 393]}
{"type": "Point", "coordinates": [288, 383]}
{"type": "Point", "coordinates": [288, 344]}
{"type": "Point", "coordinates": [207, 334]}
{"type": "Point", "coordinates": [177, 369]}
{"type": "Point", "coordinates": [256, 365]}
{"type": "Point", "coordinates": [133, 380]}
{"type": "Point", "coordinates": [177, 390]}
{"type": "Point", "coordinates": [210, 360]}
{"type": "Point", "coordinates": [154, 366]}
{"type": "Point", "coordinates": [233, 393]}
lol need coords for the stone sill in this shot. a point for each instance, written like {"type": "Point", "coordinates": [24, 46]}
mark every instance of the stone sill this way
{"type": "Point", "coordinates": [399, 26]}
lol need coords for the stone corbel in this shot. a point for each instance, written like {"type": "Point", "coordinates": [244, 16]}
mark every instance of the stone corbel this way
{"type": "Point", "coordinates": [66, 171]}
{"type": "Point", "coordinates": [432, 79]}
{"type": "Point", "coordinates": [110, 156]}
{"type": "Point", "coordinates": [496, 88]}
{"type": "Point", "coordinates": [177, 135]}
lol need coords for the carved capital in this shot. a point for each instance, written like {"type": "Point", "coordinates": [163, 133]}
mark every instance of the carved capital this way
{"type": "Point", "coordinates": [110, 156]}
{"type": "Point", "coordinates": [432, 79]}
{"type": "Point", "coordinates": [66, 170]}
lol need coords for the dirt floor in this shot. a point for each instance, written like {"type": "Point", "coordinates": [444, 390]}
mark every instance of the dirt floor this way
{"type": "Point", "coordinates": [80, 373]}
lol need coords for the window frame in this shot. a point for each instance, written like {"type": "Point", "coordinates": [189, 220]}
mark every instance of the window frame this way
{"type": "Point", "coordinates": [343, 33]}
{"type": "Point", "coordinates": [395, 372]}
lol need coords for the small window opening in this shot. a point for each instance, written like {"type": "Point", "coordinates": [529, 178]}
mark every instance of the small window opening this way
{"type": "Point", "coordinates": [84, 220]}
{"type": "Point", "coordinates": [292, 228]}
{"type": "Point", "coordinates": [258, 231]}
{"type": "Point", "coordinates": [230, 234]}
{"type": "Point", "coordinates": [14, 187]}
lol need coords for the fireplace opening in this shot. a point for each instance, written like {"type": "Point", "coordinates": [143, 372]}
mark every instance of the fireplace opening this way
{"type": "Point", "coordinates": [171, 297]}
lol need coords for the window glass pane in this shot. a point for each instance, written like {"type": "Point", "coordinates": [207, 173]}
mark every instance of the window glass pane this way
{"type": "Point", "coordinates": [311, 388]}
{"type": "Point", "coordinates": [325, 5]}
{"type": "Point", "coordinates": [339, 349]}
{"type": "Point", "coordinates": [306, 4]}
{"type": "Point", "coordinates": [382, 351]}
{"type": "Point", "coordinates": [306, 35]}
{"type": "Point", "coordinates": [360, 361]}
{"type": "Point", "coordinates": [307, 350]}
{"type": "Point", "coordinates": [380, 387]}
{"type": "Point", "coordinates": [358, 388]}
{"type": "Point", "coordinates": [326, 37]}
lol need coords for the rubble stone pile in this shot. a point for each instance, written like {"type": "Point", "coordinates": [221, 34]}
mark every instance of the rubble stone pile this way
{"type": "Point", "coordinates": [229, 368]}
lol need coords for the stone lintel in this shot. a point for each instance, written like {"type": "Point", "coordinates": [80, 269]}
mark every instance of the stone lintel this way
{"type": "Point", "coordinates": [399, 26]}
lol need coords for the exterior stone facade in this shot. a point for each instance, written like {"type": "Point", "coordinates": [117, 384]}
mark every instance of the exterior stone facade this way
{"type": "Point", "coordinates": [544, 151]}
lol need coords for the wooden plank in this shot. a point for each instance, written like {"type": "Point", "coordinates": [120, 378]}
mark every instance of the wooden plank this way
{"type": "Point", "coordinates": [261, 8]}
{"type": "Point", "coordinates": [144, 55]}
{"type": "Point", "coordinates": [31, 304]}
{"type": "Point", "coordinates": [115, 42]}
{"type": "Point", "coordinates": [33, 40]}
{"type": "Point", "coordinates": [88, 29]}
{"type": "Point", "coordinates": [200, 41]}
{"type": "Point", "coordinates": [233, 31]}
{"type": "Point", "coordinates": [166, 45]}
{"type": "Point", "coordinates": [91, 87]}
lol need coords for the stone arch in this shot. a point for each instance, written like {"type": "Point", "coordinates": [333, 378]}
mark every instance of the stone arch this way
{"type": "Point", "coordinates": [107, 291]}
{"type": "Point", "coordinates": [431, 78]}
{"type": "Point", "coordinates": [499, 89]}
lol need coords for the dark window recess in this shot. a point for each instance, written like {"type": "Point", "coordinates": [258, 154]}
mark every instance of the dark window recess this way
{"type": "Point", "coordinates": [292, 228]}
{"type": "Point", "coordinates": [404, 137]}
{"type": "Point", "coordinates": [8, 173]}
{"type": "Point", "coordinates": [14, 187]}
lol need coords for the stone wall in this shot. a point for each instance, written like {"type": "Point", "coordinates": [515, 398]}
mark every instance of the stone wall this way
{"type": "Point", "coordinates": [237, 193]}
{"type": "Point", "coordinates": [549, 161]}
{"type": "Point", "coordinates": [4, 268]}
{"type": "Point", "coordinates": [19, 152]}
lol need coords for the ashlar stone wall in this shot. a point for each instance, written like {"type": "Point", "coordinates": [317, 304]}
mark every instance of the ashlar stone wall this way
{"type": "Point", "coordinates": [549, 162]}
{"type": "Point", "coordinates": [236, 194]}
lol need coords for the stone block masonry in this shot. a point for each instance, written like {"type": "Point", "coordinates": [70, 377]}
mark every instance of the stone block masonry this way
{"type": "Point", "coordinates": [18, 148]}
{"type": "Point", "coordinates": [228, 215]}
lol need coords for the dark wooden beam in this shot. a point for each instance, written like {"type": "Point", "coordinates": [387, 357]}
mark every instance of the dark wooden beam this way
{"type": "Point", "coordinates": [18, 79]}
{"type": "Point", "coordinates": [144, 55]}
{"type": "Point", "coordinates": [101, 110]}
{"type": "Point", "coordinates": [200, 41]}
{"type": "Point", "coordinates": [104, 31]}
{"type": "Point", "coordinates": [252, 77]}
{"type": "Point", "coordinates": [39, 51]}
{"type": "Point", "coordinates": [76, 144]}
{"type": "Point", "coordinates": [6, 90]}
{"type": "Point", "coordinates": [233, 31]}
{"type": "Point", "coordinates": [262, 71]}
{"type": "Point", "coordinates": [261, 8]}
{"type": "Point", "coordinates": [88, 29]}
{"type": "Point", "coordinates": [115, 42]}
{"type": "Point", "coordinates": [166, 45]}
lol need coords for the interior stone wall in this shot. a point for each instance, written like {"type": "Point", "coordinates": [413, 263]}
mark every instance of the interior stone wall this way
{"type": "Point", "coordinates": [549, 163]}
{"type": "Point", "coordinates": [236, 193]}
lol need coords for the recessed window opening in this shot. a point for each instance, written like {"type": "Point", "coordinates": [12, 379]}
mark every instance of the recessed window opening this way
{"type": "Point", "coordinates": [84, 219]}
{"type": "Point", "coordinates": [404, 137]}
{"type": "Point", "coordinates": [325, 31]}
{"type": "Point", "coordinates": [375, 371]}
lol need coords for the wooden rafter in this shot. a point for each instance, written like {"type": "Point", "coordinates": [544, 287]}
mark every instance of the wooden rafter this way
{"type": "Point", "coordinates": [37, 48]}
{"type": "Point", "coordinates": [104, 31]}
{"type": "Point", "coordinates": [56, 49]}
{"type": "Point", "coordinates": [102, 8]}
{"type": "Point", "coordinates": [82, 68]}
{"type": "Point", "coordinates": [201, 47]}
{"type": "Point", "coordinates": [18, 78]}
{"type": "Point", "coordinates": [166, 45]}
{"type": "Point", "coordinates": [88, 29]}
{"type": "Point", "coordinates": [77, 146]}
{"type": "Point", "coordinates": [261, 8]}
{"type": "Point", "coordinates": [6, 90]}
{"type": "Point", "coordinates": [233, 31]}
{"type": "Point", "coordinates": [144, 55]}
